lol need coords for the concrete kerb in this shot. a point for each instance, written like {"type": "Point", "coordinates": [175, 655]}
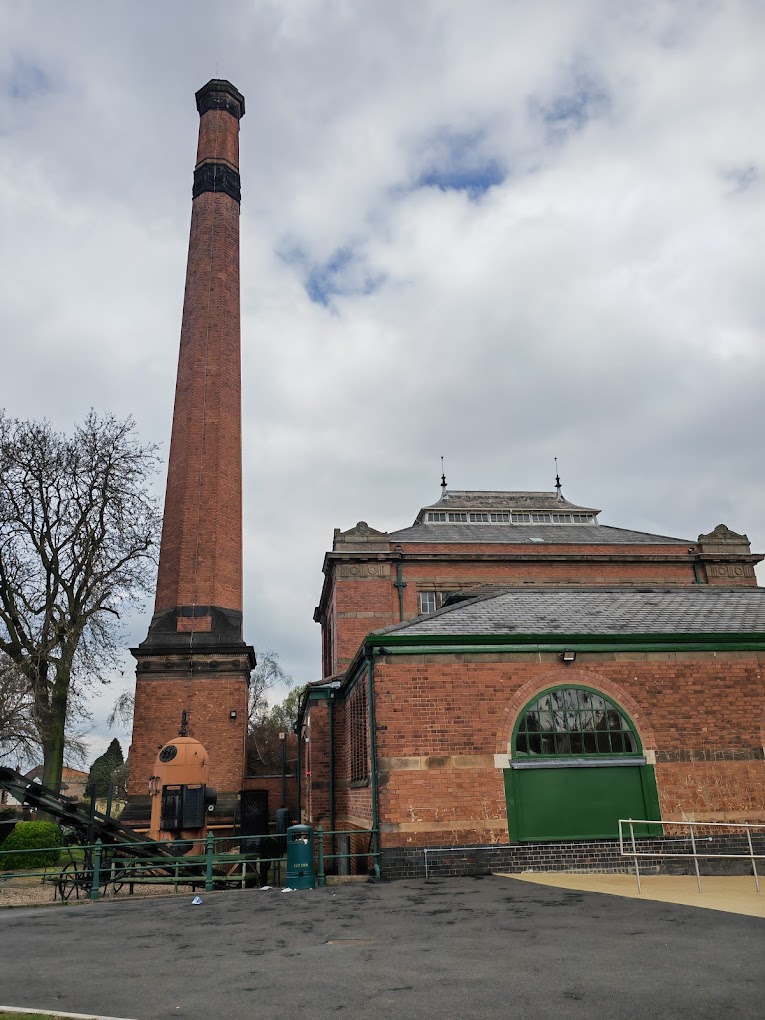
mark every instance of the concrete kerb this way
{"type": "Point", "coordinates": [55, 1013]}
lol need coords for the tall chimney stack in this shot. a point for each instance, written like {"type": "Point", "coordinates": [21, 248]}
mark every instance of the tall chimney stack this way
{"type": "Point", "coordinates": [194, 658]}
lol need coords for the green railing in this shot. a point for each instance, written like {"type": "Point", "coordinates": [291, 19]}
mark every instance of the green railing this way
{"type": "Point", "coordinates": [322, 856]}
{"type": "Point", "coordinates": [94, 870]}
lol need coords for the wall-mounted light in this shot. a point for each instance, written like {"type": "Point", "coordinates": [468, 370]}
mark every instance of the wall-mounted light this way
{"type": "Point", "coordinates": [569, 655]}
{"type": "Point", "coordinates": [232, 714]}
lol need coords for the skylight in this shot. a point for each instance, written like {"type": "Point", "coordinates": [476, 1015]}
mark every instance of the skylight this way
{"type": "Point", "coordinates": [532, 517]}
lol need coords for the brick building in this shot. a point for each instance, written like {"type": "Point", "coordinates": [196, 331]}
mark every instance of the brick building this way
{"type": "Point", "coordinates": [508, 670]}
{"type": "Point", "coordinates": [373, 579]}
{"type": "Point", "coordinates": [505, 669]}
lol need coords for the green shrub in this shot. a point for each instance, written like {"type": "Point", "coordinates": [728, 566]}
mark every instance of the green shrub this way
{"type": "Point", "coordinates": [44, 837]}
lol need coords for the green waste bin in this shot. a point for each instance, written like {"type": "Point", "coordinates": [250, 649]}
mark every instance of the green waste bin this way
{"type": "Point", "coordinates": [300, 870]}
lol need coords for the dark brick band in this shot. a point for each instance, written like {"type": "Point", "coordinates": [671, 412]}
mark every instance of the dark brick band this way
{"type": "Point", "coordinates": [219, 94]}
{"type": "Point", "coordinates": [217, 177]}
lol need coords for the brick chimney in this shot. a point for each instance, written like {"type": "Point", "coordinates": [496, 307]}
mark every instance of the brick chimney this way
{"type": "Point", "coordinates": [194, 657]}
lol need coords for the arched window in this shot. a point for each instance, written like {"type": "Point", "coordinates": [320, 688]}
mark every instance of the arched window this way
{"type": "Point", "coordinates": [573, 721]}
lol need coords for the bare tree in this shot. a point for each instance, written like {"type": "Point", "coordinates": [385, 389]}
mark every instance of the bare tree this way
{"type": "Point", "coordinates": [263, 743]}
{"type": "Point", "coordinates": [122, 711]}
{"type": "Point", "coordinates": [18, 737]}
{"type": "Point", "coordinates": [78, 527]}
{"type": "Point", "coordinates": [19, 740]}
{"type": "Point", "coordinates": [268, 673]}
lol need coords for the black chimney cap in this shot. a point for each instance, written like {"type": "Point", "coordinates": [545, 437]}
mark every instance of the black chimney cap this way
{"type": "Point", "coordinates": [219, 94]}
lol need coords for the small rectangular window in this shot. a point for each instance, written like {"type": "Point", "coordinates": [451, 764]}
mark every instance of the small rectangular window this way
{"type": "Point", "coordinates": [458, 518]}
{"type": "Point", "coordinates": [427, 602]}
{"type": "Point", "coordinates": [436, 517]}
{"type": "Point", "coordinates": [358, 734]}
{"type": "Point", "coordinates": [521, 518]}
{"type": "Point", "coordinates": [479, 518]}
{"type": "Point", "coordinates": [500, 518]}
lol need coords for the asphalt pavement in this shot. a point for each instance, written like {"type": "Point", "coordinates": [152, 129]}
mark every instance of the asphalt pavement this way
{"type": "Point", "coordinates": [454, 948]}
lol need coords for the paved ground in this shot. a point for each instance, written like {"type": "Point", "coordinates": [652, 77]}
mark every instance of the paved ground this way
{"type": "Point", "coordinates": [452, 949]}
{"type": "Point", "coordinates": [734, 893]}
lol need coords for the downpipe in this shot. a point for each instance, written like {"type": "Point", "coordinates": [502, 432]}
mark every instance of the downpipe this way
{"type": "Point", "coordinates": [368, 654]}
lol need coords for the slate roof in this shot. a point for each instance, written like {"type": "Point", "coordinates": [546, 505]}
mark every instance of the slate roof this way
{"type": "Point", "coordinates": [697, 609]}
{"type": "Point", "coordinates": [471, 499]}
{"type": "Point", "coordinates": [530, 534]}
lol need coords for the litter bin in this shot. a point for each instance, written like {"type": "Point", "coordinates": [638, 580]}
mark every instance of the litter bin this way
{"type": "Point", "coordinates": [300, 870]}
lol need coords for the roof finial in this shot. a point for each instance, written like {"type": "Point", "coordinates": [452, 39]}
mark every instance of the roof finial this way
{"type": "Point", "coordinates": [558, 486]}
{"type": "Point", "coordinates": [443, 479]}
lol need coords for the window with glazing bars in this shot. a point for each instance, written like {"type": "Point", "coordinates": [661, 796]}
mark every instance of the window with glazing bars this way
{"type": "Point", "coordinates": [357, 712]}
{"type": "Point", "coordinates": [574, 721]}
{"type": "Point", "coordinates": [430, 601]}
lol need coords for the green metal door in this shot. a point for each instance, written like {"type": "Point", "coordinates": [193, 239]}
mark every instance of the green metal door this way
{"type": "Point", "coordinates": [580, 802]}
{"type": "Point", "coordinates": [577, 767]}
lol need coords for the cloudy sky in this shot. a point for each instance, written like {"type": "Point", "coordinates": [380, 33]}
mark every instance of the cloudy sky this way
{"type": "Point", "coordinates": [497, 231]}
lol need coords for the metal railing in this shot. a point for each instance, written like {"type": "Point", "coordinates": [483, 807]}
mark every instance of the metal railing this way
{"type": "Point", "coordinates": [94, 870]}
{"type": "Point", "coordinates": [458, 849]}
{"type": "Point", "coordinates": [330, 834]}
{"type": "Point", "coordinates": [693, 837]}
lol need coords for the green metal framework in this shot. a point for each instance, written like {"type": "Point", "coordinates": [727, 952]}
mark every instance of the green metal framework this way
{"type": "Point", "coordinates": [573, 721]}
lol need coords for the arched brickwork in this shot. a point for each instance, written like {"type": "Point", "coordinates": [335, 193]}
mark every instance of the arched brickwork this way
{"type": "Point", "coordinates": [565, 676]}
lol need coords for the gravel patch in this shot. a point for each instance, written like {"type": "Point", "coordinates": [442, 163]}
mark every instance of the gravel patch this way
{"type": "Point", "coordinates": [32, 892]}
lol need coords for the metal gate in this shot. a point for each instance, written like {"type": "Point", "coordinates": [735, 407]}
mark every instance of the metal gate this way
{"type": "Point", "coordinates": [255, 812]}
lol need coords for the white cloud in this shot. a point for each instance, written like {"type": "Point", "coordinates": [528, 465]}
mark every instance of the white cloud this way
{"type": "Point", "coordinates": [592, 290]}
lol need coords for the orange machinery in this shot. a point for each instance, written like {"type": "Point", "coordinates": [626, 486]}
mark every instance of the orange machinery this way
{"type": "Point", "coordinates": [181, 796]}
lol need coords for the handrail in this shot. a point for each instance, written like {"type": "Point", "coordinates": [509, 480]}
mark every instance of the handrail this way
{"type": "Point", "coordinates": [634, 853]}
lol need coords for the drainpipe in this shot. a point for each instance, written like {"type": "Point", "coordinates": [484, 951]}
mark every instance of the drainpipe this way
{"type": "Point", "coordinates": [332, 773]}
{"type": "Point", "coordinates": [698, 576]}
{"type": "Point", "coordinates": [299, 772]}
{"type": "Point", "coordinates": [368, 654]}
{"type": "Point", "coordinates": [399, 582]}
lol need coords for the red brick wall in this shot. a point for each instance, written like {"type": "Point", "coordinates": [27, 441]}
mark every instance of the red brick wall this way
{"type": "Point", "coordinates": [316, 766]}
{"type": "Point", "coordinates": [452, 716]}
{"type": "Point", "coordinates": [218, 138]}
{"type": "Point", "coordinates": [360, 605]}
{"type": "Point", "coordinates": [274, 786]}
{"type": "Point", "coordinates": [201, 553]}
{"type": "Point", "coordinates": [158, 707]}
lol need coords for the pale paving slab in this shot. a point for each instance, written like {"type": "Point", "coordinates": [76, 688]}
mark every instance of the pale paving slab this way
{"type": "Point", "coordinates": [734, 894]}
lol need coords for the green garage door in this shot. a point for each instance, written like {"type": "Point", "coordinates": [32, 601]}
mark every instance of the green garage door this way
{"type": "Point", "coordinates": [576, 803]}
{"type": "Point", "coordinates": [577, 768]}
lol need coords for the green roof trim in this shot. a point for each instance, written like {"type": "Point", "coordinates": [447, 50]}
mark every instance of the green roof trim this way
{"type": "Point", "coordinates": [402, 644]}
